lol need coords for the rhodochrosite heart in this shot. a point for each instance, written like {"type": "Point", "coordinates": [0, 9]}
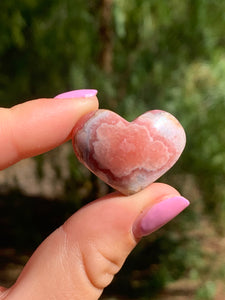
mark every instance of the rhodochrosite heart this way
{"type": "Point", "coordinates": [128, 155]}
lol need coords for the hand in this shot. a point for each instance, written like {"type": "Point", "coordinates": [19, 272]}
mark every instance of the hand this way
{"type": "Point", "coordinates": [80, 258]}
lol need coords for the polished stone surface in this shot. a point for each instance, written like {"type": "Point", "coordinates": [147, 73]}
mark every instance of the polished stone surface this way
{"type": "Point", "coordinates": [128, 155]}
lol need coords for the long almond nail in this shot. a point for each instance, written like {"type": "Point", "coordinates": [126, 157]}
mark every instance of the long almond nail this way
{"type": "Point", "coordinates": [77, 94]}
{"type": "Point", "coordinates": [158, 215]}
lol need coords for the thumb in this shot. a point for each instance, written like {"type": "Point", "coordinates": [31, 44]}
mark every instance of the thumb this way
{"type": "Point", "coordinates": [81, 257]}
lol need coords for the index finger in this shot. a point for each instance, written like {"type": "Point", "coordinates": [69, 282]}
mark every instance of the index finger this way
{"type": "Point", "coordinates": [37, 126]}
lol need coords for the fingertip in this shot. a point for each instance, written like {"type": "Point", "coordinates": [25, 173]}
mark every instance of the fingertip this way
{"type": "Point", "coordinates": [84, 93]}
{"type": "Point", "coordinates": [155, 192]}
{"type": "Point", "coordinates": [37, 126]}
{"type": "Point", "coordinates": [158, 215]}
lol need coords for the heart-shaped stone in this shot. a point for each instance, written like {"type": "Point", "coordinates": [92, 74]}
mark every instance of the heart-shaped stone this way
{"type": "Point", "coordinates": [128, 155]}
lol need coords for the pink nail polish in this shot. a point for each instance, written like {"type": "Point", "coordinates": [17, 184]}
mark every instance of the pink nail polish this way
{"type": "Point", "coordinates": [77, 94]}
{"type": "Point", "coordinates": [158, 215]}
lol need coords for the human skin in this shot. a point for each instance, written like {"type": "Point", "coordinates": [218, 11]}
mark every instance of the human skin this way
{"type": "Point", "coordinates": [81, 257]}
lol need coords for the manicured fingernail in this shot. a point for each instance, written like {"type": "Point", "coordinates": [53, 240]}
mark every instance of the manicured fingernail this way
{"type": "Point", "coordinates": [77, 94]}
{"type": "Point", "coordinates": [158, 215]}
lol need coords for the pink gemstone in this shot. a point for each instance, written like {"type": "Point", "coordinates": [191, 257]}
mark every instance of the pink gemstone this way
{"type": "Point", "coordinates": [128, 155]}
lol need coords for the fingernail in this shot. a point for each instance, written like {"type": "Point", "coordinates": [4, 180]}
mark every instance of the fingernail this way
{"type": "Point", "coordinates": [158, 215]}
{"type": "Point", "coordinates": [77, 94]}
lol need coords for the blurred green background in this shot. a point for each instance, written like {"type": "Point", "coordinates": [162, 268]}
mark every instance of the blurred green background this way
{"type": "Point", "coordinates": [140, 55]}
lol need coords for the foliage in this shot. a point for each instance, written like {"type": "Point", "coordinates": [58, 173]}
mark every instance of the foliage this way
{"type": "Point", "coordinates": [206, 292]}
{"type": "Point", "coordinates": [41, 44]}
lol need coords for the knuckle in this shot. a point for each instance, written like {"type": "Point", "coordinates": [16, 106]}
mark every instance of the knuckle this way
{"type": "Point", "coordinates": [99, 267]}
